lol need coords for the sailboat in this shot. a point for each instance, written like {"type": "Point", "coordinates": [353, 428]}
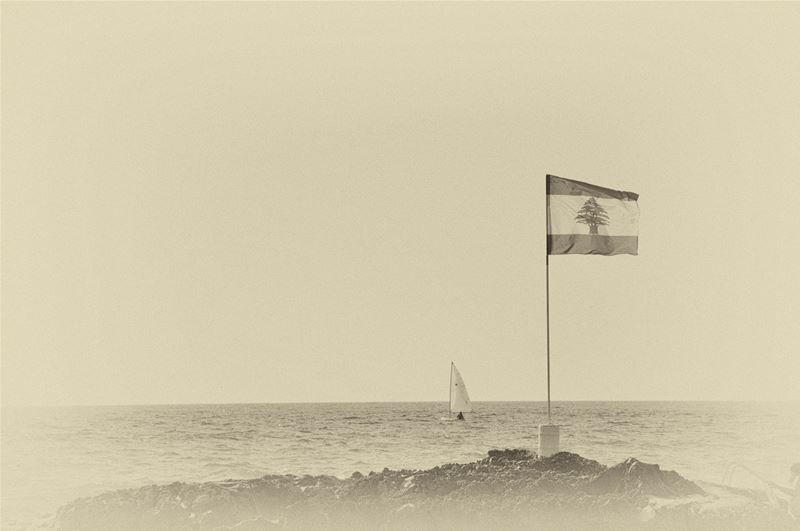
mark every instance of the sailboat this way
{"type": "Point", "coordinates": [459, 398]}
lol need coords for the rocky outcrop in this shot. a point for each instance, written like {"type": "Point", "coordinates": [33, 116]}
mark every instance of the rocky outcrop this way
{"type": "Point", "coordinates": [632, 477]}
{"type": "Point", "coordinates": [509, 489]}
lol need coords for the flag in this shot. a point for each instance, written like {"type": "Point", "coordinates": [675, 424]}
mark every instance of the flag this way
{"type": "Point", "coordinates": [586, 219]}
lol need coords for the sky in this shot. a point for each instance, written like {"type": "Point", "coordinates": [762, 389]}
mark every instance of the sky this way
{"type": "Point", "coordinates": [303, 202]}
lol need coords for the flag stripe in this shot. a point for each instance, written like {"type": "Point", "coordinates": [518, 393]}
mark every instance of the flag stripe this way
{"type": "Point", "coordinates": [592, 244]}
{"type": "Point", "coordinates": [560, 186]}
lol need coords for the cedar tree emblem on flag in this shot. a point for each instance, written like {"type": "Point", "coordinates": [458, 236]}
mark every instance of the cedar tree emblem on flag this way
{"type": "Point", "coordinates": [592, 214]}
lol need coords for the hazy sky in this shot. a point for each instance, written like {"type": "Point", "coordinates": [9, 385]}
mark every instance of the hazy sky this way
{"type": "Point", "coordinates": [242, 202]}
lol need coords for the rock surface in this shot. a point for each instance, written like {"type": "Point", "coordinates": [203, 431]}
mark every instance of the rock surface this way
{"type": "Point", "coordinates": [509, 489]}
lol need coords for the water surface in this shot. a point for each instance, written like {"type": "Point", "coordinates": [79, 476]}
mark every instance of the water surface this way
{"type": "Point", "coordinates": [53, 455]}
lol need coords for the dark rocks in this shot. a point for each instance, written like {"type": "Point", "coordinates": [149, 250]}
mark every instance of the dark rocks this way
{"type": "Point", "coordinates": [509, 489]}
{"type": "Point", "coordinates": [500, 456]}
{"type": "Point", "coordinates": [632, 477]}
{"type": "Point", "coordinates": [566, 462]}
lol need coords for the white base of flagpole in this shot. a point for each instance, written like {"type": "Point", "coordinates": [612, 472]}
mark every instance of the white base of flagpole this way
{"type": "Point", "coordinates": [548, 439]}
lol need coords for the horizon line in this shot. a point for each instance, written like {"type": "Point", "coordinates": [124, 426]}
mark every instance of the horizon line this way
{"type": "Point", "coordinates": [337, 402]}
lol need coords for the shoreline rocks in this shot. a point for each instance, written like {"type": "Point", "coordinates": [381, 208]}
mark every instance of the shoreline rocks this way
{"type": "Point", "coordinates": [509, 489]}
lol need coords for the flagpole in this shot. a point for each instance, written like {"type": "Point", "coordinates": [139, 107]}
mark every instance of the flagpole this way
{"type": "Point", "coordinates": [547, 299]}
{"type": "Point", "coordinates": [548, 433]}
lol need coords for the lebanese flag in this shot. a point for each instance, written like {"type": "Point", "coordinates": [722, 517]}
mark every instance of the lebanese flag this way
{"type": "Point", "coordinates": [586, 219]}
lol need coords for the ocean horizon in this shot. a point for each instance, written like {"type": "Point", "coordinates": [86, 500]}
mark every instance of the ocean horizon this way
{"type": "Point", "coordinates": [300, 402]}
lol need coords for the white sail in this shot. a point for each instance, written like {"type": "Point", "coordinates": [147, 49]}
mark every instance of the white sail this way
{"type": "Point", "coordinates": [459, 398]}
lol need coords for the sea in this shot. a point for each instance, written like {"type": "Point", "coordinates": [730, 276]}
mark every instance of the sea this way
{"type": "Point", "coordinates": [51, 456]}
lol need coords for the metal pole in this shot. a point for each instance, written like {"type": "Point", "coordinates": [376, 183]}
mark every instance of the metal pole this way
{"type": "Point", "coordinates": [547, 298]}
{"type": "Point", "coordinates": [547, 293]}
